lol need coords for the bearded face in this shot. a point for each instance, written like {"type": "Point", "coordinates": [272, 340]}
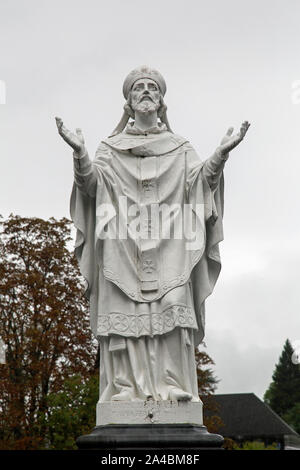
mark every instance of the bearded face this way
{"type": "Point", "coordinates": [145, 96]}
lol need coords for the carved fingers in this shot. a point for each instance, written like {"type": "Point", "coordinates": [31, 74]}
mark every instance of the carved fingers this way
{"type": "Point", "coordinates": [80, 135]}
{"type": "Point", "coordinates": [244, 128]}
{"type": "Point", "coordinates": [76, 141]}
{"type": "Point", "coordinates": [62, 130]}
{"type": "Point", "coordinates": [227, 136]}
{"type": "Point", "coordinates": [230, 131]}
{"type": "Point", "coordinates": [229, 141]}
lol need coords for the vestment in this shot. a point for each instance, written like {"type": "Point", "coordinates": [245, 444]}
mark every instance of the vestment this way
{"type": "Point", "coordinates": [146, 287]}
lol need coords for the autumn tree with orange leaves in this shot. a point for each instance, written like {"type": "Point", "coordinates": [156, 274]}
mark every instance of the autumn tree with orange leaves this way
{"type": "Point", "coordinates": [207, 384]}
{"type": "Point", "coordinates": [49, 383]}
{"type": "Point", "coordinates": [43, 323]}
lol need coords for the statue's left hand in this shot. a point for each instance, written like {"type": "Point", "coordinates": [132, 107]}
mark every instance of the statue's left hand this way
{"type": "Point", "coordinates": [230, 141]}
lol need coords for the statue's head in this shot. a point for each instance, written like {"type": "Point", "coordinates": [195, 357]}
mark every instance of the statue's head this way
{"type": "Point", "coordinates": [143, 89]}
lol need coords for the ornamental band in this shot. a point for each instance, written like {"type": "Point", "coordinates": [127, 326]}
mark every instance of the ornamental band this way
{"type": "Point", "coordinates": [147, 293]}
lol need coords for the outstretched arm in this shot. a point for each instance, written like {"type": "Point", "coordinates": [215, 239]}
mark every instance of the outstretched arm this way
{"type": "Point", "coordinates": [214, 165]}
{"type": "Point", "coordinates": [84, 172]}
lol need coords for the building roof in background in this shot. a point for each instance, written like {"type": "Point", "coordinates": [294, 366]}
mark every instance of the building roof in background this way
{"type": "Point", "coordinates": [245, 415]}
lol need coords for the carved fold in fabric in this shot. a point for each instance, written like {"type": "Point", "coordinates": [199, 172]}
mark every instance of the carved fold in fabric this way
{"type": "Point", "coordinates": [179, 178]}
{"type": "Point", "coordinates": [85, 174]}
{"type": "Point", "coordinates": [124, 174]}
{"type": "Point", "coordinates": [119, 316]}
{"type": "Point", "coordinates": [132, 129]}
{"type": "Point", "coordinates": [148, 366]}
{"type": "Point", "coordinates": [143, 145]}
{"type": "Point", "coordinates": [213, 167]}
{"type": "Point", "coordinates": [146, 324]}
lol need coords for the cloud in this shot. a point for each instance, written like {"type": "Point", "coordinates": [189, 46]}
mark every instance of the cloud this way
{"type": "Point", "coordinates": [249, 317]}
{"type": "Point", "coordinates": [240, 368]}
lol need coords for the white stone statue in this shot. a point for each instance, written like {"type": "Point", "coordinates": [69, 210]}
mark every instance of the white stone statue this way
{"type": "Point", "coordinates": [148, 214]}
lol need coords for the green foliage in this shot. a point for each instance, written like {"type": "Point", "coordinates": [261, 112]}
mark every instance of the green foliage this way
{"type": "Point", "coordinates": [71, 412]}
{"type": "Point", "coordinates": [207, 382]}
{"type": "Point", "coordinates": [255, 445]}
{"type": "Point", "coordinates": [292, 417]}
{"type": "Point", "coordinates": [284, 392]}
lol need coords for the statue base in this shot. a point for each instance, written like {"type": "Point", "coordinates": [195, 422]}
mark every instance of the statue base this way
{"type": "Point", "coordinates": [149, 412]}
{"type": "Point", "coordinates": [164, 437]}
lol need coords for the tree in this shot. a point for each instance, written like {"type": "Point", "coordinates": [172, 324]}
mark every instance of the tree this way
{"type": "Point", "coordinates": [255, 445]}
{"type": "Point", "coordinates": [207, 384]}
{"type": "Point", "coordinates": [71, 412]}
{"type": "Point", "coordinates": [292, 417]}
{"type": "Point", "coordinates": [44, 325]}
{"type": "Point", "coordinates": [284, 391]}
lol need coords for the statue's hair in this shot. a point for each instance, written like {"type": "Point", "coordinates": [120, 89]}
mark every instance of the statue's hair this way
{"type": "Point", "coordinates": [127, 106]}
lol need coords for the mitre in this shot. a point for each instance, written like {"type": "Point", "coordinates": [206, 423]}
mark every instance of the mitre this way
{"type": "Point", "coordinates": [143, 72]}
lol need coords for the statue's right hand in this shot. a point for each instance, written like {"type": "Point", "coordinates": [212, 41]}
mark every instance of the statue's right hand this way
{"type": "Point", "coordinates": [76, 141]}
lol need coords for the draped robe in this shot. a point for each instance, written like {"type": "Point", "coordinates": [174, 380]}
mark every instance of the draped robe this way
{"type": "Point", "coordinates": [147, 296]}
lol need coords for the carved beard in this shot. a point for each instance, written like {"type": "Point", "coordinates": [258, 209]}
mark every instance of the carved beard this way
{"type": "Point", "coordinates": [146, 106]}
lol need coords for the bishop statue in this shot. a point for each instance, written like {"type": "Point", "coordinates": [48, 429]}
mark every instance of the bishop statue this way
{"type": "Point", "coordinates": [148, 213]}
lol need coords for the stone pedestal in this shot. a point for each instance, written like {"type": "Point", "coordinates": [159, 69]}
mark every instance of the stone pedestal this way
{"type": "Point", "coordinates": [165, 437]}
{"type": "Point", "coordinates": [150, 425]}
{"type": "Point", "coordinates": [149, 412]}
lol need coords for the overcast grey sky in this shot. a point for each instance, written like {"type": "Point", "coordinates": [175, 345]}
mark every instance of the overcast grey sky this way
{"type": "Point", "coordinates": [223, 62]}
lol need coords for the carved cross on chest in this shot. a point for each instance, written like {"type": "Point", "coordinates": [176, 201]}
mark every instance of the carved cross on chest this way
{"type": "Point", "coordinates": [148, 266]}
{"type": "Point", "coordinates": [147, 185]}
